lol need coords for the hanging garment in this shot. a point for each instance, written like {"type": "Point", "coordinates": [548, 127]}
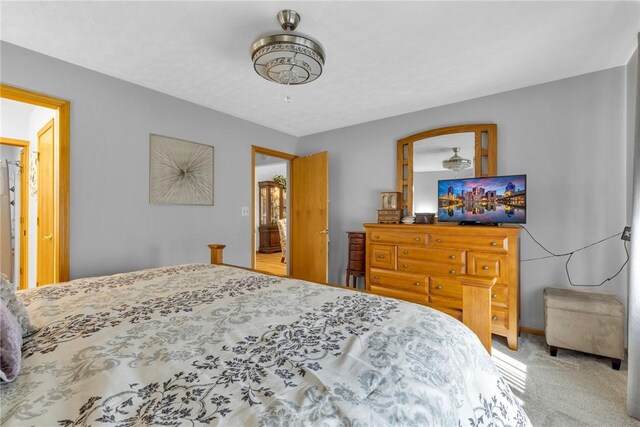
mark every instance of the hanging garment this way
{"type": "Point", "coordinates": [6, 254]}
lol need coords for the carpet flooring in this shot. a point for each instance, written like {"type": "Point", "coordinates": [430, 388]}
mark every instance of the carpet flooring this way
{"type": "Point", "coordinates": [572, 389]}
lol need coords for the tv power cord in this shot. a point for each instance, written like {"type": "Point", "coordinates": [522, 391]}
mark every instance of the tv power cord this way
{"type": "Point", "coordinates": [624, 235]}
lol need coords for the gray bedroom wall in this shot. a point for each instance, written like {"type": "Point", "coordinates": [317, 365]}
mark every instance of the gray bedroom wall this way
{"type": "Point", "coordinates": [569, 138]}
{"type": "Point", "coordinates": [633, 144]}
{"type": "Point", "coordinates": [113, 226]}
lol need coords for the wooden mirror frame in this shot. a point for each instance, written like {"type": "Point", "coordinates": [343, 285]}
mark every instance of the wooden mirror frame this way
{"type": "Point", "coordinates": [485, 164]}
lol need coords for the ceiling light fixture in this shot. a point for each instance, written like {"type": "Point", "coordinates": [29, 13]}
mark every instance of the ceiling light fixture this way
{"type": "Point", "coordinates": [456, 163]}
{"type": "Point", "coordinates": [290, 58]}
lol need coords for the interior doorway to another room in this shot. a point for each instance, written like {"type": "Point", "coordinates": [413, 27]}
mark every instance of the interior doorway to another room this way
{"type": "Point", "coordinates": [34, 154]}
{"type": "Point", "coordinates": [271, 171]}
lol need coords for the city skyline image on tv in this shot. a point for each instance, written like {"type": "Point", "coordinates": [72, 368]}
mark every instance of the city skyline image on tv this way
{"type": "Point", "coordinates": [487, 200]}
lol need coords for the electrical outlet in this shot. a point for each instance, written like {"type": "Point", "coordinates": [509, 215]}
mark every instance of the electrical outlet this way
{"type": "Point", "coordinates": [244, 211]}
{"type": "Point", "coordinates": [626, 234]}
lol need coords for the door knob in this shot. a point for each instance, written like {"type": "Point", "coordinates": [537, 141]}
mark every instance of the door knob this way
{"type": "Point", "coordinates": [47, 237]}
{"type": "Point", "coordinates": [485, 267]}
{"type": "Point", "coordinates": [324, 231]}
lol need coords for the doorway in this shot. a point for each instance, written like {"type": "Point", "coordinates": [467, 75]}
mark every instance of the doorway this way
{"type": "Point", "coordinates": [306, 209]}
{"type": "Point", "coordinates": [47, 121]}
{"type": "Point", "coordinates": [270, 178]}
{"type": "Point", "coordinates": [14, 210]}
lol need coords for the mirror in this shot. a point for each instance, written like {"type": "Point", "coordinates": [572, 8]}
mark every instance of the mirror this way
{"type": "Point", "coordinates": [421, 156]}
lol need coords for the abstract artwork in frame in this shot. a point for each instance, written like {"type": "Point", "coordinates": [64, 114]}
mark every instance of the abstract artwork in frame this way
{"type": "Point", "coordinates": [180, 172]}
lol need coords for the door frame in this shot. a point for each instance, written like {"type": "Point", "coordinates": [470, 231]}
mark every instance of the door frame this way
{"type": "Point", "coordinates": [61, 170]}
{"type": "Point", "coordinates": [273, 153]}
{"type": "Point", "coordinates": [24, 207]}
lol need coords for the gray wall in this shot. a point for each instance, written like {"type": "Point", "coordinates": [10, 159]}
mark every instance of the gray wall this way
{"type": "Point", "coordinates": [569, 138]}
{"type": "Point", "coordinates": [113, 226]}
{"type": "Point", "coordinates": [633, 144]}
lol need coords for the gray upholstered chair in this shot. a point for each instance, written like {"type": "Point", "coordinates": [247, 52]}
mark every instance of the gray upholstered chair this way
{"type": "Point", "coordinates": [282, 230]}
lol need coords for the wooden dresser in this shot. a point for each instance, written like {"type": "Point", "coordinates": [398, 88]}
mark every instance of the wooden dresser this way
{"type": "Point", "coordinates": [420, 263]}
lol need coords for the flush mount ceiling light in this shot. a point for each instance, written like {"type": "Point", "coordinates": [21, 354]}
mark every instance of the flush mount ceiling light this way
{"type": "Point", "coordinates": [456, 163]}
{"type": "Point", "coordinates": [289, 58]}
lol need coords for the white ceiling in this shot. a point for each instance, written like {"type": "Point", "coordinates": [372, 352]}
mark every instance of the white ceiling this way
{"type": "Point", "coordinates": [383, 58]}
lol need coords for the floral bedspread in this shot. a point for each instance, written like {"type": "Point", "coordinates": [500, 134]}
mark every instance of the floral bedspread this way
{"type": "Point", "coordinates": [200, 344]}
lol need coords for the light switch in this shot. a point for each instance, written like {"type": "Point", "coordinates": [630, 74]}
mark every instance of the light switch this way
{"type": "Point", "coordinates": [245, 211]}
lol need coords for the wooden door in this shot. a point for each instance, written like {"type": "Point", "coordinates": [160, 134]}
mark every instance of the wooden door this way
{"type": "Point", "coordinates": [24, 218]}
{"type": "Point", "coordinates": [46, 260]}
{"type": "Point", "coordinates": [310, 218]}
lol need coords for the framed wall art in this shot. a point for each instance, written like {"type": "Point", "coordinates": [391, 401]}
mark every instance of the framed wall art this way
{"type": "Point", "coordinates": [180, 172]}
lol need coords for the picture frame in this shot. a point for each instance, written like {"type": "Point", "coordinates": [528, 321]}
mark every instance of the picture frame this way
{"type": "Point", "coordinates": [180, 172]}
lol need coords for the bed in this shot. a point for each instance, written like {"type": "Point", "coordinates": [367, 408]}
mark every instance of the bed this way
{"type": "Point", "coordinates": [212, 344]}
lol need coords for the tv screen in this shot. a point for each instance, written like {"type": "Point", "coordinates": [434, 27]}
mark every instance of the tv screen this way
{"type": "Point", "coordinates": [487, 200]}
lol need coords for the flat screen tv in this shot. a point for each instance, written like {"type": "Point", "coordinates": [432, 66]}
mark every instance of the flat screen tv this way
{"type": "Point", "coordinates": [486, 200]}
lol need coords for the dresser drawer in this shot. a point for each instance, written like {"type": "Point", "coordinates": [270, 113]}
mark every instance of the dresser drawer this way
{"type": "Point", "coordinates": [445, 302]}
{"type": "Point", "coordinates": [356, 265]}
{"type": "Point", "coordinates": [407, 282]}
{"type": "Point", "coordinates": [456, 314]}
{"type": "Point", "coordinates": [383, 256]}
{"type": "Point", "coordinates": [399, 237]}
{"type": "Point", "coordinates": [431, 268]}
{"type": "Point", "coordinates": [499, 319]}
{"type": "Point", "coordinates": [485, 243]}
{"type": "Point", "coordinates": [400, 294]}
{"type": "Point", "coordinates": [356, 247]}
{"type": "Point", "coordinates": [488, 265]}
{"type": "Point", "coordinates": [356, 240]}
{"type": "Point", "coordinates": [500, 295]}
{"type": "Point", "coordinates": [447, 256]}
{"type": "Point", "coordinates": [356, 255]}
{"type": "Point", "coordinates": [445, 287]}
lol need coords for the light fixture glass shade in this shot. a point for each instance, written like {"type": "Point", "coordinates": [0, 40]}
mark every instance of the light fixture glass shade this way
{"type": "Point", "coordinates": [456, 163]}
{"type": "Point", "coordinates": [290, 59]}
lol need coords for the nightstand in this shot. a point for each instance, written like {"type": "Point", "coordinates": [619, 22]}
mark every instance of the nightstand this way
{"type": "Point", "coordinates": [356, 261]}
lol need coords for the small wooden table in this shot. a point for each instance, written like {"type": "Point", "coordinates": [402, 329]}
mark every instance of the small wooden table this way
{"type": "Point", "coordinates": [356, 261]}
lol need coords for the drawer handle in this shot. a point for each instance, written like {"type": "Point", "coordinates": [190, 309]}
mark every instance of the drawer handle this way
{"type": "Point", "coordinates": [417, 284]}
{"type": "Point", "coordinates": [381, 256]}
{"type": "Point", "coordinates": [494, 318]}
{"type": "Point", "coordinates": [417, 239]}
{"type": "Point", "coordinates": [405, 252]}
{"type": "Point", "coordinates": [405, 265]}
{"type": "Point", "coordinates": [375, 277]}
{"type": "Point", "coordinates": [494, 244]}
{"type": "Point", "coordinates": [494, 296]}
{"type": "Point", "coordinates": [485, 267]}
{"type": "Point", "coordinates": [377, 236]}
{"type": "Point", "coordinates": [439, 287]}
{"type": "Point", "coordinates": [452, 256]}
{"type": "Point", "coordinates": [438, 240]}
{"type": "Point", "coordinates": [452, 271]}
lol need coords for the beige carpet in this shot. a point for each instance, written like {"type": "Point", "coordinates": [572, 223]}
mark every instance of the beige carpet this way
{"type": "Point", "coordinates": [572, 389]}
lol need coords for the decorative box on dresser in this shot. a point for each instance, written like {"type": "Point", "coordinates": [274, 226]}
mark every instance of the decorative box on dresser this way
{"type": "Point", "coordinates": [420, 263]}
